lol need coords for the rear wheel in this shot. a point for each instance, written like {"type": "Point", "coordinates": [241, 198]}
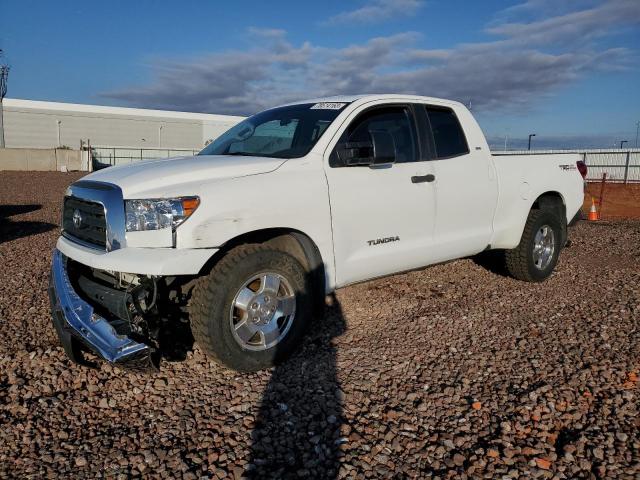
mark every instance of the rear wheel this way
{"type": "Point", "coordinates": [535, 257]}
{"type": "Point", "coordinates": [251, 310]}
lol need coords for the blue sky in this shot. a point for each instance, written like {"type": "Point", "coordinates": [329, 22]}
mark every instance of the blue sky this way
{"type": "Point", "coordinates": [567, 71]}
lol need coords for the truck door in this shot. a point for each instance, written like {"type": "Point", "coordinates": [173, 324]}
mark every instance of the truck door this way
{"type": "Point", "coordinates": [465, 185]}
{"type": "Point", "coordinates": [382, 215]}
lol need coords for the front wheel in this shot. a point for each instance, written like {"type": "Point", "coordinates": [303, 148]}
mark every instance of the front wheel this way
{"type": "Point", "coordinates": [252, 309]}
{"type": "Point", "coordinates": [535, 257]}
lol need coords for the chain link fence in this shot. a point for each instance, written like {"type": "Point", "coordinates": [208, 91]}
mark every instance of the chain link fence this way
{"type": "Point", "coordinates": [620, 165]}
{"type": "Point", "coordinates": [109, 156]}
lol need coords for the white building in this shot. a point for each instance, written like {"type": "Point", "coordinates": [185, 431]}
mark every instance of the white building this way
{"type": "Point", "coordinates": [35, 124]}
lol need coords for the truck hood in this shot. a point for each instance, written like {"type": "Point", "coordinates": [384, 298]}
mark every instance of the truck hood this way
{"type": "Point", "coordinates": [168, 174]}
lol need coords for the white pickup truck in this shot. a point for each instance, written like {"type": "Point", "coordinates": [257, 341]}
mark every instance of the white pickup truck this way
{"type": "Point", "coordinates": [237, 246]}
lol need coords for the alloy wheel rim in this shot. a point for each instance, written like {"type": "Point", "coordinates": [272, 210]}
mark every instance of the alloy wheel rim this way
{"type": "Point", "coordinates": [262, 311]}
{"type": "Point", "coordinates": [544, 246]}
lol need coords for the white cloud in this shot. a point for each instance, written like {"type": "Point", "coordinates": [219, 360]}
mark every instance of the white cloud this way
{"type": "Point", "coordinates": [377, 11]}
{"type": "Point", "coordinates": [576, 26]}
{"type": "Point", "coordinates": [526, 62]}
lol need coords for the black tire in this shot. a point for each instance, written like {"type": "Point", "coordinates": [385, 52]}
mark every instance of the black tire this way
{"type": "Point", "coordinates": [213, 294]}
{"type": "Point", "coordinates": [519, 262]}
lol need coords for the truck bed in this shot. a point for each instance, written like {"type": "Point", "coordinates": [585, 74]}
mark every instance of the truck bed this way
{"type": "Point", "coordinates": [523, 177]}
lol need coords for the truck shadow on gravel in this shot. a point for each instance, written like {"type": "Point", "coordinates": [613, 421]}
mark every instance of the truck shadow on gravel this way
{"type": "Point", "coordinates": [297, 432]}
{"type": "Point", "coordinates": [493, 261]}
{"type": "Point", "coordinates": [12, 230]}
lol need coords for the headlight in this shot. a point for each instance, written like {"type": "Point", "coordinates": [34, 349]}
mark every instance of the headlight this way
{"type": "Point", "coordinates": [155, 214]}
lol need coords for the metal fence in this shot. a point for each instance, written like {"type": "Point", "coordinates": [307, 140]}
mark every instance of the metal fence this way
{"type": "Point", "coordinates": [108, 156]}
{"type": "Point", "coordinates": [620, 165]}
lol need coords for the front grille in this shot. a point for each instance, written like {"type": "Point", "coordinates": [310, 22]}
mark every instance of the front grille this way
{"type": "Point", "coordinates": [85, 221]}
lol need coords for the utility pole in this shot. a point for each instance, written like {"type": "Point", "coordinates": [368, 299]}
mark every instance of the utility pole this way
{"type": "Point", "coordinates": [637, 129]}
{"type": "Point", "coordinates": [4, 75]}
{"type": "Point", "coordinates": [622, 142]}
{"type": "Point", "coordinates": [530, 135]}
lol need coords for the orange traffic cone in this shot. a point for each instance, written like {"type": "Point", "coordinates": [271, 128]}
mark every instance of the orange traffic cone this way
{"type": "Point", "coordinates": [593, 213]}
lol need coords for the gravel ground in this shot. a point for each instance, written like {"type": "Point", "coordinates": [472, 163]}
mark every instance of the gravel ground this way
{"type": "Point", "coordinates": [450, 372]}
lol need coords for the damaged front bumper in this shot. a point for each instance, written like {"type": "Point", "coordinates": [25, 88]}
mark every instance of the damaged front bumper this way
{"type": "Point", "coordinates": [80, 328]}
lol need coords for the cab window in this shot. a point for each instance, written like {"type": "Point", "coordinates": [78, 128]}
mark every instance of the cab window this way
{"type": "Point", "coordinates": [395, 120]}
{"type": "Point", "coordinates": [448, 135]}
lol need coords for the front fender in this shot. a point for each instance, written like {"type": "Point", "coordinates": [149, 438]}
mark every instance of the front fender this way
{"type": "Point", "coordinates": [294, 197]}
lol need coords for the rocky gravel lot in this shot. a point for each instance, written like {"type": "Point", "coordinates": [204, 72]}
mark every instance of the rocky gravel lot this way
{"type": "Point", "coordinates": [451, 372]}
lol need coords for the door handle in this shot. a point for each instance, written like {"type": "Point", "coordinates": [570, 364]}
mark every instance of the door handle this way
{"type": "Point", "coordinates": [423, 178]}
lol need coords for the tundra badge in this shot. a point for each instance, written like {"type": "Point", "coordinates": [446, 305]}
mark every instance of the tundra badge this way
{"type": "Point", "coordinates": [378, 241]}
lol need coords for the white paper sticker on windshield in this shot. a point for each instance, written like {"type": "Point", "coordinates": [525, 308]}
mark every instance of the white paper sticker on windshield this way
{"type": "Point", "coordinates": [328, 106]}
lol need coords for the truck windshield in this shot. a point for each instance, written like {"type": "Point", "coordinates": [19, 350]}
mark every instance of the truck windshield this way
{"type": "Point", "coordinates": [284, 132]}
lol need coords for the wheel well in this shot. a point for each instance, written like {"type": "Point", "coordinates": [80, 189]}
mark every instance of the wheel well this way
{"type": "Point", "coordinates": [293, 242]}
{"type": "Point", "coordinates": [555, 202]}
{"type": "Point", "coordinates": [548, 198]}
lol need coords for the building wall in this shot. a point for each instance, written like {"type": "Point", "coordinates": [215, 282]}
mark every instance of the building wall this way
{"type": "Point", "coordinates": [33, 124]}
{"type": "Point", "coordinates": [42, 159]}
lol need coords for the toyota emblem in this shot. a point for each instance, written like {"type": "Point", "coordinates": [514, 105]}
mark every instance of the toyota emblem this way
{"type": "Point", "coordinates": [77, 218]}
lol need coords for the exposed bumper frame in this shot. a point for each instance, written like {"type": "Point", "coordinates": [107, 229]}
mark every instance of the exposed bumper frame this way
{"type": "Point", "coordinates": [79, 327]}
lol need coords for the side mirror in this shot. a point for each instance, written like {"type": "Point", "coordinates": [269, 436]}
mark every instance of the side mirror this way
{"type": "Point", "coordinates": [379, 150]}
{"type": "Point", "coordinates": [355, 153]}
{"type": "Point", "coordinates": [384, 147]}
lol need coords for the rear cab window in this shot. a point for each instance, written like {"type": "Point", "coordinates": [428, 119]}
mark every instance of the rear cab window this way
{"type": "Point", "coordinates": [448, 137]}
